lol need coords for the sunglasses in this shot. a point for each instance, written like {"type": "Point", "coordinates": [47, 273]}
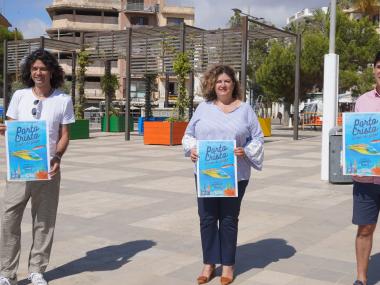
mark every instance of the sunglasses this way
{"type": "Point", "coordinates": [36, 111]}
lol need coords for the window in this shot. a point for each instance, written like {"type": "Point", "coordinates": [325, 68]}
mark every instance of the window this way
{"type": "Point", "coordinates": [172, 90]}
{"type": "Point", "coordinates": [137, 89]}
{"type": "Point", "coordinates": [135, 5]}
{"type": "Point", "coordinates": [138, 20]}
{"type": "Point", "coordinates": [88, 13]}
{"type": "Point", "coordinates": [174, 21]}
{"type": "Point", "coordinates": [64, 12]}
{"type": "Point", "coordinates": [111, 14]}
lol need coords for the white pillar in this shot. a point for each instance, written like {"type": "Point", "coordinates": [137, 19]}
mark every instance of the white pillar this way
{"type": "Point", "coordinates": [330, 105]}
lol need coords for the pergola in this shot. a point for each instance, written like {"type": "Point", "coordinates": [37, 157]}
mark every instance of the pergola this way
{"type": "Point", "coordinates": [151, 50]}
{"type": "Point", "coordinates": [16, 51]}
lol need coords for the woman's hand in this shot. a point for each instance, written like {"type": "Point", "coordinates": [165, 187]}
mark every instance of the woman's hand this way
{"type": "Point", "coordinates": [3, 128]}
{"type": "Point", "coordinates": [194, 155]}
{"type": "Point", "coordinates": [239, 151]}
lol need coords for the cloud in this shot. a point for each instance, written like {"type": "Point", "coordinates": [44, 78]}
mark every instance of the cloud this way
{"type": "Point", "coordinates": [211, 14]}
{"type": "Point", "coordinates": [32, 28]}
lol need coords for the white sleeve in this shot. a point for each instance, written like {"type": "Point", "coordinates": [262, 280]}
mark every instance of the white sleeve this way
{"type": "Point", "coordinates": [254, 149]}
{"type": "Point", "coordinates": [12, 111]}
{"type": "Point", "coordinates": [68, 115]}
{"type": "Point", "coordinates": [189, 140]}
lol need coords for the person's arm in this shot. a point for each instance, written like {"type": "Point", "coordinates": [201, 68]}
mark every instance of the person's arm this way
{"type": "Point", "coordinates": [189, 142]}
{"type": "Point", "coordinates": [63, 142]}
{"type": "Point", "coordinates": [253, 151]}
{"type": "Point", "coordinates": [12, 112]}
{"type": "Point", "coordinates": [3, 128]}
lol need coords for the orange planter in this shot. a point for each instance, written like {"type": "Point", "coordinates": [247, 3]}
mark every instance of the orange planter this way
{"type": "Point", "coordinates": [164, 133]}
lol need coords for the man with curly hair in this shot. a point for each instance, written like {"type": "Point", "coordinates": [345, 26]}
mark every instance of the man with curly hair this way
{"type": "Point", "coordinates": [41, 100]}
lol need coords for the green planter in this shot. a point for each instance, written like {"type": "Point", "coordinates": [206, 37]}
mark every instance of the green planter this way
{"type": "Point", "coordinates": [117, 124]}
{"type": "Point", "coordinates": [80, 129]}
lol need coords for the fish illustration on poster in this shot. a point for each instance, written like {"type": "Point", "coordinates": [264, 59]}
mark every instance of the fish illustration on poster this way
{"type": "Point", "coordinates": [216, 169]}
{"type": "Point", "coordinates": [361, 144]}
{"type": "Point", "coordinates": [27, 150]}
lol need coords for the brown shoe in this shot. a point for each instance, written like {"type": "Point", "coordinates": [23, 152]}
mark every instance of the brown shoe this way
{"type": "Point", "coordinates": [205, 279]}
{"type": "Point", "coordinates": [226, 280]}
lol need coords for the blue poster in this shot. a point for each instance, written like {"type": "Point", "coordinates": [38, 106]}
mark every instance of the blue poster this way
{"type": "Point", "coordinates": [361, 144]}
{"type": "Point", "coordinates": [27, 145]}
{"type": "Point", "coordinates": [216, 169]}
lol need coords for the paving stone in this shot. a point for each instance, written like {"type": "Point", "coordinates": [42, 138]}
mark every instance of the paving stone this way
{"type": "Point", "coordinates": [128, 215]}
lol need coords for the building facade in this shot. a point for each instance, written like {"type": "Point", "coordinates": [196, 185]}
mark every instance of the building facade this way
{"type": "Point", "coordinates": [72, 18]}
{"type": "Point", "coordinates": [304, 14]}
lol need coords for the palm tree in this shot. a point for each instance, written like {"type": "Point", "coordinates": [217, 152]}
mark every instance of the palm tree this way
{"type": "Point", "coordinates": [367, 7]}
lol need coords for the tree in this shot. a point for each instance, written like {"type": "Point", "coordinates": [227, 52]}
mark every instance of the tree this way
{"type": "Point", "coordinates": [344, 4]}
{"type": "Point", "coordinates": [235, 20]}
{"type": "Point", "coordinates": [182, 67]}
{"type": "Point", "coordinates": [150, 85]}
{"type": "Point", "coordinates": [109, 84]}
{"type": "Point", "coordinates": [83, 62]}
{"type": "Point", "coordinates": [315, 46]}
{"type": "Point", "coordinates": [367, 7]}
{"type": "Point", "coordinates": [356, 43]}
{"type": "Point", "coordinates": [5, 34]}
{"type": "Point", "coordinates": [276, 74]}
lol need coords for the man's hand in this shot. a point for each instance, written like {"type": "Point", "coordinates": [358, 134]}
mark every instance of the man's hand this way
{"type": "Point", "coordinates": [239, 151]}
{"type": "Point", "coordinates": [194, 155]}
{"type": "Point", "coordinates": [55, 165]}
{"type": "Point", "coordinates": [3, 128]}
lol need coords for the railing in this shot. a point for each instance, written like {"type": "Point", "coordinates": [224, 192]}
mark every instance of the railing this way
{"type": "Point", "coordinates": [94, 119]}
{"type": "Point", "coordinates": [135, 6]}
{"type": "Point", "coordinates": [312, 119]}
{"type": "Point", "coordinates": [141, 7]}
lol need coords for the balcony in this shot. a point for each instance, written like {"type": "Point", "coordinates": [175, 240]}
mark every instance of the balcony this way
{"type": "Point", "coordinates": [140, 7]}
{"type": "Point", "coordinates": [80, 22]}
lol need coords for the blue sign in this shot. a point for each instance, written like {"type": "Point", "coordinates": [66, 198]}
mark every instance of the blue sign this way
{"type": "Point", "coordinates": [27, 145]}
{"type": "Point", "coordinates": [361, 144]}
{"type": "Point", "coordinates": [216, 169]}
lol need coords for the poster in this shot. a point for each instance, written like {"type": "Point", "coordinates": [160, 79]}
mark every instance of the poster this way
{"type": "Point", "coordinates": [216, 169]}
{"type": "Point", "coordinates": [361, 144]}
{"type": "Point", "coordinates": [27, 147]}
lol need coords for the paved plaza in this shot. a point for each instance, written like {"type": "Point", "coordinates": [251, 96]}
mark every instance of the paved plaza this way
{"type": "Point", "coordinates": [128, 215]}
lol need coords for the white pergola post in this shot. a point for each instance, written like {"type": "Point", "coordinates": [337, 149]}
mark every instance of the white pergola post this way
{"type": "Point", "coordinates": [330, 94]}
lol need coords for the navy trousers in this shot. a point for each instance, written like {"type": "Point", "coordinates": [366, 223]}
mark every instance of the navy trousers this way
{"type": "Point", "coordinates": [219, 227]}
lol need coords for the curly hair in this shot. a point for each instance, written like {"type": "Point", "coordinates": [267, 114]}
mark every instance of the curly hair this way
{"type": "Point", "coordinates": [57, 74]}
{"type": "Point", "coordinates": [209, 81]}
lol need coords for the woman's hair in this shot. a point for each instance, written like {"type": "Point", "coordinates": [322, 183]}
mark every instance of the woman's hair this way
{"type": "Point", "coordinates": [209, 82]}
{"type": "Point", "coordinates": [57, 74]}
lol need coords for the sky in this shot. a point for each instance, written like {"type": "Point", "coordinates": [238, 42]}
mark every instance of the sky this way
{"type": "Point", "coordinates": [31, 18]}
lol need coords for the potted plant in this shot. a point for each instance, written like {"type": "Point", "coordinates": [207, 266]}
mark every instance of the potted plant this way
{"type": "Point", "coordinates": [150, 86]}
{"type": "Point", "coordinates": [170, 132]}
{"type": "Point", "coordinates": [81, 128]}
{"type": "Point", "coordinates": [112, 121]}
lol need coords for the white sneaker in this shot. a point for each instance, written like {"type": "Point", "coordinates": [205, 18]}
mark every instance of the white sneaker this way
{"type": "Point", "coordinates": [4, 281]}
{"type": "Point", "coordinates": [37, 279]}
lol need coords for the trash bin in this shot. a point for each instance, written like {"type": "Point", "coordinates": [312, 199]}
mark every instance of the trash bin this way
{"type": "Point", "coordinates": [335, 159]}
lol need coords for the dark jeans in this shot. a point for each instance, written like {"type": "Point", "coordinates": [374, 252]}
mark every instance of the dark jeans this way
{"type": "Point", "coordinates": [219, 219]}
